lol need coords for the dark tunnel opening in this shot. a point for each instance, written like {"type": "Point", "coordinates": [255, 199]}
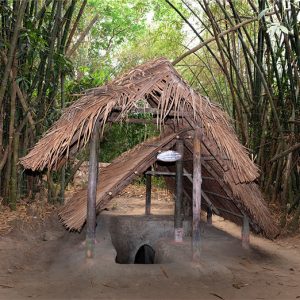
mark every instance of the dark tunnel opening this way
{"type": "Point", "coordinates": [145, 255]}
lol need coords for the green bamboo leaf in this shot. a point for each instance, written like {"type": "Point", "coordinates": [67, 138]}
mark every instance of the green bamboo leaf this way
{"type": "Point", "coordinates": [262, 13]}
{"type": "Point", "coordinates": [284, 29]}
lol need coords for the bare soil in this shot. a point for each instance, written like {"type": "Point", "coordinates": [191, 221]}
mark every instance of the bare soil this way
{"type": "Point", "coordinates": [40, 259]}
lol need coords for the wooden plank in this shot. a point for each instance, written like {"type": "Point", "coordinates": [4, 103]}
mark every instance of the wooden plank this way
{"type": "Point", "coordinates": [148, 195]}
{"type": "Point", "coordinates": [197, 181]}
{"type": "Point", "coordinates": [178, 224]}
{"type": "Point", "coordinates": [92, 191]}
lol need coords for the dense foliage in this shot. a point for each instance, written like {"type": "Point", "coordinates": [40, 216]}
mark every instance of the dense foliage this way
{"type": "Point", "coordinates": [247, 58]}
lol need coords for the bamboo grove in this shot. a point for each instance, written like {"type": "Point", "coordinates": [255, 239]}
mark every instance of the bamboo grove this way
{"type": "Point", "coordinates": [243, 54]}
{"type": "Point", "coordinates": [255, 46]}
{"type": "Point", "coordinates": [35, 43]}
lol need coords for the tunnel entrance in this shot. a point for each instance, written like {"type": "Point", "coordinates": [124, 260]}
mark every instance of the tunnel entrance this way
{"type": "Point", "coordinates": [145, 255]}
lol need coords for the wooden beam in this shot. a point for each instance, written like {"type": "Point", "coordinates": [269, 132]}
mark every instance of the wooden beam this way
{"type": "Point", "coordinates": [230, 212]}
{"type": "Point", "coordinates": [133, 120]}
{"type": "Point", "coordinates": [210, 157]}
{"type": "Point", "coordinates": [178, 225]}
{"type": "Point", "coordinates": [209, 202]}
{"type": "Point", "coordinates": [197, 181]}
{"type": "Point", "coordinates": [185, 174]}
{"type": "Point", "coordinates": [165, 173]}
{"type": "Point", "coordinates": [92, 191]}
{"type": "Point", "coordinates": [211, 149]}
{"type": "Point", "coordinates": [148, 195]}
{"type": "Point", "coordinates": [205, 197]}
{"type": "Point", "coordinates": [218, 195]}
{"type": "Point", "coordinates": [224, 186]}
{"type": "Point", "coordinates": [207, 158]}
{"type": "Point", "coordinates": [153, 111]}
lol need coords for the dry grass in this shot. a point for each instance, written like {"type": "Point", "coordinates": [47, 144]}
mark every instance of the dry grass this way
{"type": "Point", "coordinates": [25, 211]}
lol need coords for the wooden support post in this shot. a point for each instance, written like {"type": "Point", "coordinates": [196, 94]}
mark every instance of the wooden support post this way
{"type": "Point", "coordinates": [245, 233]}
{"type": "Point", "coordinates": [209, 216]}
{"type": "Point", "coordinates": [178, 226]}
{"type": "Point", "coordinates": [197, 181]}
{"type": "Point", "coordinates": [148, 194]}
{"type": "Point", "coordinates": [92, 190]}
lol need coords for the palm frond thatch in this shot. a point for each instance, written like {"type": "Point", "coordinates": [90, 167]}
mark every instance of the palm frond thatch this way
{"type": "Point", "coordinates": [157, 80]}
{"type": "Point", "coordinates": [164, 89]}
{"type": "Point", "coordinates": [114, 178]}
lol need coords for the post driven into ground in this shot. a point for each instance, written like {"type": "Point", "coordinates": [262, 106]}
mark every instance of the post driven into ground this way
{"type": "Point", "coordinates": [197, 182]}
{"type": "Point", "coordinates": [209, 215]}
{"type": "Point", "coordinates": [246, 233]}
{"type": "Point", "coordinates": [148, 194]}
{"type": "Point", "coordinates": [92, 191]}
{"type": "Point", "coordinates": [178, 232]}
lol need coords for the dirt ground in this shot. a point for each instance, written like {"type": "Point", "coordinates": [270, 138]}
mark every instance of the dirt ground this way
{"type": "Point", "coordinates": [42, 260]}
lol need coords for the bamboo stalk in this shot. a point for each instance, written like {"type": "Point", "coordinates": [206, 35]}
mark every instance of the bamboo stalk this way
{"type": "Point", "coordinates": [75, 25]}
{"type": "Point", "coordinates": [208, 41]}
{"type": "Point", "coordinates": [13, 44]}
{"type": "Point", "coordinates": [82, 36]}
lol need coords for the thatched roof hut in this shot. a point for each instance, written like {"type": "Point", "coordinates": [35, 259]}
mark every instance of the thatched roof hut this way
{"type": "Point", "coordinates": [227, 171]}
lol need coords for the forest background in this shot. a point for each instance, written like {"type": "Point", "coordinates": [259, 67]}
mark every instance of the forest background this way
{"type": "Point", "coordinates": [245, 55]}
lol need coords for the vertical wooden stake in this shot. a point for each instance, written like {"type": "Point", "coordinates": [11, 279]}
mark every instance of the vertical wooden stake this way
{"type": "Point", "coordinates": [63, 169]}
{"type": "Point", "coordinates": [92, 190]}
{"type": "Point", "coordinates": [246, 233]}
{"type": "Point", "coordinates": [197, 181]}
{"type": "Point", "coordinates": [148, 194]}
{"type": "Point", "coordinates": [209, 216]}
{"type": "Point", "coordinates": [178, 226]}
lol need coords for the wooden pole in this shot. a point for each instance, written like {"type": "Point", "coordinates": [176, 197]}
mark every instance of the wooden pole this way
{"type": "Point", "coordinates": [63, 169]}
{"type": "Point", "coordinates": [209, 216]}
{"type": "Point", "coordinates": [246, 233]}
{"type": "Point", "coordinates": [92, 190]}
{"type": "Point", "coordinates": [148, 194]}
{"type": "Point", "coordinates": [197, 181]}
{"type": "Point", "coordinates": [178, 226]}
